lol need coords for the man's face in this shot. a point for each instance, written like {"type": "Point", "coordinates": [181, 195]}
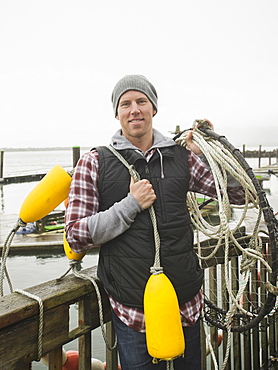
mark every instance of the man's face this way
{"type": "Point", "coordinates": [135, 113]}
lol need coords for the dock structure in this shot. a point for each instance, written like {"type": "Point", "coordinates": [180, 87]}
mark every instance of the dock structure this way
{"type": "Point", "coordinates": [20, 317]}
{"type": "Point", "coordinates": [21, 178]}
{"type": "Point", "coordinates": [264, 173]}
{"type": "Point", "coordinates": [271, 168]}
{"type": "Point", "coordinates": [31, 242]}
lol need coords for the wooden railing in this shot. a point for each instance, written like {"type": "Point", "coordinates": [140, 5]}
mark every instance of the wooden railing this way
{"type": "Point", "coordinates": [19, 326]}
{"type": "Point", "coordinates": [19, 323]}
{"type": "Point", "coordinates": [253, 349]}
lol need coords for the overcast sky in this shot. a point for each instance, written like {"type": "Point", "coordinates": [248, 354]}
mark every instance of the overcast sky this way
{"type": "Point", "coordinates": [60, 59]}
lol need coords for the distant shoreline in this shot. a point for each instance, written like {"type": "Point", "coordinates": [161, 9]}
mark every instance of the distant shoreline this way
{"type": "Point", "coordinates": [249, 153]}
{"type": "Point", "coordinates": [41, 149]}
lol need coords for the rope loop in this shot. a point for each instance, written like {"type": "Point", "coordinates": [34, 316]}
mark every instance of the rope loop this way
{"type": "Point", "coordinates": [249, 259]}
{"type": "Point", "coordinates": [77, 265]}
{"type": "Point", "coordinates": [99, 300]}
{"type": "Point", "coordinates": [271, 288]}
{"type": "Point", "coordinates": [156, 270]}
{"type": "Point", "coordinates": [20, 223]}
{"type": "Point", "coordinates": [40, 333]}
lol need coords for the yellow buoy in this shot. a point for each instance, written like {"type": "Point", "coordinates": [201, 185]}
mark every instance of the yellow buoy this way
{"type": "Point", "coordinates": [70, 253]}
{"type": "Point", "coordinates": [164, 334]}
{"type": "Point", "coordinates": [46, 195]}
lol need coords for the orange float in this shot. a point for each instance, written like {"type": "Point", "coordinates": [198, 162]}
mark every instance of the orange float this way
{"type": "Point", "coordinates": [70, 361]}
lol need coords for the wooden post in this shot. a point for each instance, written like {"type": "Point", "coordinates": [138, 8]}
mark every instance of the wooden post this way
{"type": "Point", "coordinates": [236, 336]}
{"type": "Point", "coordinates": [255, 331]}
{"type": "Point", "coordinates": [264, 333]}
{"type": "Point", "coordinates": [85, 341]}
{"type": "Point", "coordinates": [55, 359]}
{"type": "Point", "coordinates": [225, 300]}
{"type": "Point", "coordinates": [1, 164]}
{"type": "Point", "coordinates": [111, 356]}
{"type": "Point", "coordinates": [259, 155]}
{"type": "Point", "coordinates": [243, 150]}
{"type": "Point", "coordinates": [213, 298]}
{"type": "Point", "coordinates": [75, 155]}
{"type": "Point", "coordinates": [269, 158]}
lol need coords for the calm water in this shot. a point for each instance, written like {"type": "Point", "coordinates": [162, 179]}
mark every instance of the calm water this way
{"type": "Point", "coordinates": [26, 271]}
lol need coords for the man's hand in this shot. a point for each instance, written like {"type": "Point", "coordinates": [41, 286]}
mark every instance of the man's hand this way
{"type": "Point", "coordinates": [189, 143]}
{"type": "Point", "coordinates": [143, 192]}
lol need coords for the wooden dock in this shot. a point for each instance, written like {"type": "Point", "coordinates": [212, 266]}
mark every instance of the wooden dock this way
{"type": "Point", "coordinates": [21, 178]}
{"type": "Point", "coordinates": [272, 168]}
{"type": "Point", "coordinates": [264, 173]}
{"type": "Point", "coordinates": [29, 242]}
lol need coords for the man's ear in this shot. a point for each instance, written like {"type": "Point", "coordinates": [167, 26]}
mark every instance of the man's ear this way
{"type": "Point", "coordinates": [117, 117]}
{"type": "Point", "coordinates": [154, 112]}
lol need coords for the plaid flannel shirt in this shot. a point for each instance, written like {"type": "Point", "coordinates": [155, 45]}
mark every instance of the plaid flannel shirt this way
{"type": "Point", "coordinates": [84, 202]}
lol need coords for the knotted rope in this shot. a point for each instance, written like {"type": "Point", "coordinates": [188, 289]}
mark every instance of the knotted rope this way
{"type": "Point", "coordinates": [5, 253]}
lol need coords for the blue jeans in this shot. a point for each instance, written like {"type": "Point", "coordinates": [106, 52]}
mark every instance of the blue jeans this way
{"type": "Point", "coordinates": [134, 355]}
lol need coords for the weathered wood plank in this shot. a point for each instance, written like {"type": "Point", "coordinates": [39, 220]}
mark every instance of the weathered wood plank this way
{"type": "Point", "coordinates": [55, 359]}
{"type": "Point", "coordinates": [255, 331]}
{"type": "Point", "coordinates": [247, 359]}
{"type": "Point", "coordinates": [16, 307]}
{"type": "Point", "coordinates": [213, 299]}
{"type": "Point", "coordinates": [85, 341]}
{"type": "Point", "coordinates": [19, 342]}
{"type": "Point", "coordinates": [111, 356]}
{"type": "Point", "coordinates": [203, 337]}
{"type": "Point", "coordinates": [20, 320]}
{"type": "Point", "coordinates": [225, 306]}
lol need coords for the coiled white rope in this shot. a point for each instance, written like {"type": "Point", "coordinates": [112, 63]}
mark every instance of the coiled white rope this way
{"type": "Point", "coordinates": [221, 162]}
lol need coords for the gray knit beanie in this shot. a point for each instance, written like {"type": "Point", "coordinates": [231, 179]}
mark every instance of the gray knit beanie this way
{"type": "Point", "coordinates": [133, 82]}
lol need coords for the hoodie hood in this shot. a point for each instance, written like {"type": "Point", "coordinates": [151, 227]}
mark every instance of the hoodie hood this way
{"type": "Point", "coordinates": [120, 142]}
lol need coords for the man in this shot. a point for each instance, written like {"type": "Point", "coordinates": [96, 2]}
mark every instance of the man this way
{"type": "Point", "coordinates": [106, 207]}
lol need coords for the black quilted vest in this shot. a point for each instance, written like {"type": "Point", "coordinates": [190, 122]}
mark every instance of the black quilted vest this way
{"type": "Point", "coordinates": [124, 263]}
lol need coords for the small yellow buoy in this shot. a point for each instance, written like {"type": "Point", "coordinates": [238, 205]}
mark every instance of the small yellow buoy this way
{"type": "Point", "coordinates": [69, 252]}
{"type": "Point", "coordinates": [164, 333]}
{"type": "Point", "coordinates": [46, 195]}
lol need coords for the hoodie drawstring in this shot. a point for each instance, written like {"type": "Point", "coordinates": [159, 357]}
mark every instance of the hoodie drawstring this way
{"type": "Point", "coordinates": [161, 163]}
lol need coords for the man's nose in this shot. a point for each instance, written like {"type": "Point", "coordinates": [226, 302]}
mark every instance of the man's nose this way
{"type": "Point", "coordinates": [134, 108]}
